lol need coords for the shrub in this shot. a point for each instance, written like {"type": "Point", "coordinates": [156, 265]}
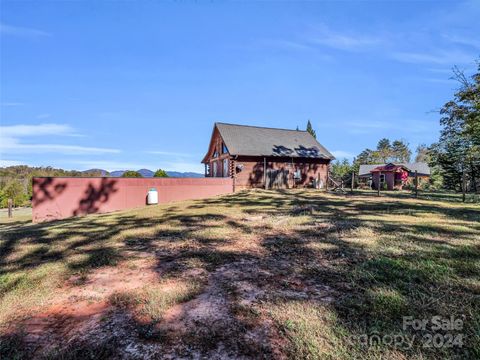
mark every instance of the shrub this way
{"type": "Point", "coordinates": [131, 173]}
{"type": "Point", "coordinates": [160, 173]}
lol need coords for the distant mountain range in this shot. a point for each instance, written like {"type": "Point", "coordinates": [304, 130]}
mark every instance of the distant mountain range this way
{"type": "Point", "coordinates": [145, 173]}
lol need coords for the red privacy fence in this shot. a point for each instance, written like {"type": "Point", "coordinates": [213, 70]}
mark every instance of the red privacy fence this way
{"type": "Point", "coordinates": [62, 197]}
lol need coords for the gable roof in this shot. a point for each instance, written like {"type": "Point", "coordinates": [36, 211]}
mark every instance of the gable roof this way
{"type": "Point", "coordinates": [390, 167]}
{"type": "Point", "coordinates": [422, 168]}
{"type": "Point", "coordinates": [262, 141]}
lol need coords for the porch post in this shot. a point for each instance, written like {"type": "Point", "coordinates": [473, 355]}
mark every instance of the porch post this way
{"type": "Point", "coordinates": [353, 180]}
{"type": "Point", "coordinates": [416, 183]}
{"type": "Point", "coordinates": [234, 170]}
{"type": "Point", "coordinates": [293, 174]}
{"type": "Point", "coordinates": [378, 183]}
{"type": "Point", "coordinates": [265, 173]}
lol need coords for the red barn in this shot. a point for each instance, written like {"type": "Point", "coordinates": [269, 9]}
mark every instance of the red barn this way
{"type": "Point", "coordinates": [266, 157]}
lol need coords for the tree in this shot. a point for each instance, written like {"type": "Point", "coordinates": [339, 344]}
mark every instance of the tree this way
{"type": "Point", "coordinates": [384, 150]}
{"type": "Point", "coordinates": [423, 154]}
{"type": "Point", "coordinates": [160, 173]}
{"type": "Point", "coordinates": [310, 129]}
{"type": "Point", "coordinates": [131, 173]}
{"type": "Point", "coordinates": [400, 152]}
{"type": "Point", "coordinates": [366, 157]}
{"type": "Point", "coordinates": [341, 169]}
{"type": "Point", "coordinates": [458, 149]}
{"type": "Point", "coordinates": [14, 190]}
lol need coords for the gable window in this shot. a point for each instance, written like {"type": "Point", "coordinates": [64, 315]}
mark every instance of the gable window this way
{"type": "Point", "coordinates": [224, 148]}
{"type": "Point", "coordinates": [215, 154]}
{"type": "Point", "coordinates": [225, 167]}
{"type": "Point", "coordinates": [214, 169]}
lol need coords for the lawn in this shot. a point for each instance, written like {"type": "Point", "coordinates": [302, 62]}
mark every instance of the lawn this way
{"type": "Point", "coordinates": [260, 274]}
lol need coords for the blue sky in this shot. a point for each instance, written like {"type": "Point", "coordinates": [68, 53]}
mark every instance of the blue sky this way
{"type": "Point", "coordinates": [120, 84]}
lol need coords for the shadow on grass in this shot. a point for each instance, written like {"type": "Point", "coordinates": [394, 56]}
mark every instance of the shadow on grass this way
{"type": "Point", "coordinates": [374, 287]}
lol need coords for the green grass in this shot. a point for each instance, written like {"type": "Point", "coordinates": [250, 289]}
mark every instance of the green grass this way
{"type": "Point", "coordinates": [380, 258]}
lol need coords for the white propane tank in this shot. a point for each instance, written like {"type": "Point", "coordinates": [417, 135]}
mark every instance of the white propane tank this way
{"type": "Point", "coordinates": [152, 197]}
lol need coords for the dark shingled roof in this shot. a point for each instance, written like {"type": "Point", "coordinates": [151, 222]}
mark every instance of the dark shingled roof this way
{"type": "Point", "coordinates": [422, 168]}
{"type": "Point", "coordinates": [262, 141]}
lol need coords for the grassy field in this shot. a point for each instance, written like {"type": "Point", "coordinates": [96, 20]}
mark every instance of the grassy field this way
{"type": "Point", "coordinates": [261, 274]}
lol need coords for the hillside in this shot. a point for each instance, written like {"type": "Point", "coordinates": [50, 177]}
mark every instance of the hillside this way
{"type": "Point", "coordinates": [149, 173]}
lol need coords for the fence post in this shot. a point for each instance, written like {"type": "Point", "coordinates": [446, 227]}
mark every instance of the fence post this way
{"type": "Point", "coordinates": [416, 183]}
{"type": "Point", "coordinates": [378, 183]}
{"type": "Point", "coordinates": [10, 212]}
{"type": "Point", "coordinates": [353, 180]}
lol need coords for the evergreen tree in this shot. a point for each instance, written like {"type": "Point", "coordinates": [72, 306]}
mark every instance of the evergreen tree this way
{"type": "Point", "coordinates": [458, 149]}
{"type": "Point", "coordinates": [423, 154]}
{"type": "Point", "coordinates": [160, 173]}
{"type": "Point", "coordinates": [384, 150]}
{"type": "Point", "coordinates": [132, 173]}
{"type": "Point", "coordinates": [341, 169]}
{"type": "Point", "coordinates": [310, 129]}
{"type": "Point", "coordinates": [400, 152]}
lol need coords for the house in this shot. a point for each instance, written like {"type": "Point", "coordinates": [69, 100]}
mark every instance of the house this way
{"type": "Point", "coordinates": [394, 175]}
{"type": "Point", "coordinates": [266, 157]}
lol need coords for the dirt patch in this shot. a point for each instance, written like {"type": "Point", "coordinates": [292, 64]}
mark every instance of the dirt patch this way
{"type": "Point", "coordinates": [224, 321]}
{"type": "Point", "coordinates": [80, 307]}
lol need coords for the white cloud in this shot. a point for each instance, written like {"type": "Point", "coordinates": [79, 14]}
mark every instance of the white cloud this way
{"type": "Point", "coordinates": [5, 163]}
{"type": "Point", "coordinates": [443, 57]}
{"type": "Point", "coordinates": [10, 140]}
{"type": "Point", "coordinates": [467, 41]}
{"type": "Point", "coordinates": [35, 130]}
{"type": "Point", "coordinates": [21, 31]}
{"type": "Point", "coordinates": [9, 146]}
{"type": "Point", "coordinates": [342, 154]}
{"type": "Point", "coordinates": [343, 41]}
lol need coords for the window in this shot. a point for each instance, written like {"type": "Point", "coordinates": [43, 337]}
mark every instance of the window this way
{"type": "Point", "coordinates": [224, 149]}
{"type": "Point", "coordinates": [225, 167]}
{"type": "Point", "coordinates": [382, 178]}
{"type": "Point", "coordinates": [215, 154]}
{"type": "Point", "coordinates": [214, 169]}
